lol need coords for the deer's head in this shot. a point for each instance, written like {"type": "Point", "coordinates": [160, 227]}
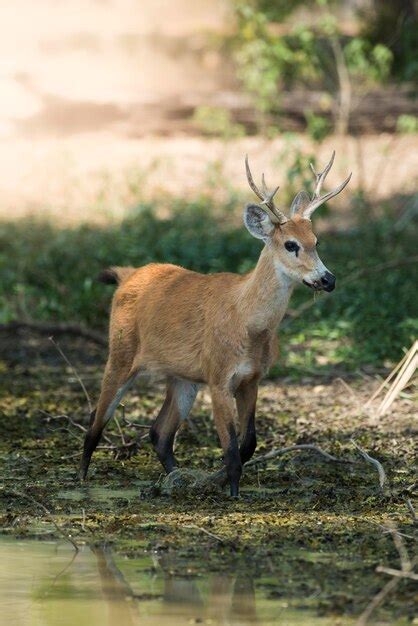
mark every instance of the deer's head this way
{"type": "Point", "coordinates": [291, 240]}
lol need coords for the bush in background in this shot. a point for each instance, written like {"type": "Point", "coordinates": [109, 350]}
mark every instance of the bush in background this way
{"type": "Point", "coordinates": [48, 273]}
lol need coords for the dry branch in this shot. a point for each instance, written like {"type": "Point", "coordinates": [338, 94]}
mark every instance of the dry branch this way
{"type": "Point", "coordinates": [123, 445]}
{"type": "Point", "coordinates": [411, 510]}
{"type": "Point", "coordinates": [376, 601]}
{"type": "Point", "coordinates": [372, 461]}
{"type": "Point", "coordinates": [208, 533]}
{"type": "Point", "coordinates": [220, 477]}
{"type": "Point", "coordinates": [396, 573]}
{"type": "Point", "coordinates": [406, 572]}
{"type": "Point", "coordinates": [303, 446]}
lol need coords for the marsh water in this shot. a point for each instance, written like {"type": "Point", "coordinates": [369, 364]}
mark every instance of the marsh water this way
{"type": "Point", "coordinates": [48, 584]}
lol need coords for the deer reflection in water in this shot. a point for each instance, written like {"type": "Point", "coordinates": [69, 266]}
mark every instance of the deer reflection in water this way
{"type": "Point", "coordinates": [223, 599]}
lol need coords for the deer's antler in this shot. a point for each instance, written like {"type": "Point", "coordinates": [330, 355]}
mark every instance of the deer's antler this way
{"type": "Point", "coordinates": [317, 200]}
{"type": "Point", "coordinates": [266, 197]}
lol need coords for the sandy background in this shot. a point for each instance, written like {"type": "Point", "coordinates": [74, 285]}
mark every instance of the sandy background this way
{"type": "Point", "coordinates": [92, 100]}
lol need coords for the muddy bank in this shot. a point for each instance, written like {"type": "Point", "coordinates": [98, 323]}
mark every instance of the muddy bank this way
{"type": "Point", "coordinates": [314, 528]}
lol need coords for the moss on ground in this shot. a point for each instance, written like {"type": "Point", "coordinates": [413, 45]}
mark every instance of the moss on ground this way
{"type": "Point", "coordinates": [306, 527]}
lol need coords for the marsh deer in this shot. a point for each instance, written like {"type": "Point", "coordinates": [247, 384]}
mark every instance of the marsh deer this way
{"type": "Point", "coordinates": [218, 329]}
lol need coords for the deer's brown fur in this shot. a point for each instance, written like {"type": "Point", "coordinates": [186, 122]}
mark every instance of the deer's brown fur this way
{"type": "Point", "coordinates": [218, 329]}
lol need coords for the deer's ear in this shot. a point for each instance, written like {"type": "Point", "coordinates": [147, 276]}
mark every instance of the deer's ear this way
{"type": "Point", "coordinates": [257, 222]}
{"type": "Point", "coordinates": [300, 203]}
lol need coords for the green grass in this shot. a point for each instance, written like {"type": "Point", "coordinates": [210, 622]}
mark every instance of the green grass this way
{"type": "Point", "coordinates": [48, 273]}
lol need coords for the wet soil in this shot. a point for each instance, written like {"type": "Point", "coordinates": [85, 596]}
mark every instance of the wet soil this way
{"type": "Point", "coordinates": [310, 529]}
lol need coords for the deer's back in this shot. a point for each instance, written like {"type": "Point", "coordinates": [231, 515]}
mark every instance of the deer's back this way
{"type": "Point", "coordinates": [173, 316]}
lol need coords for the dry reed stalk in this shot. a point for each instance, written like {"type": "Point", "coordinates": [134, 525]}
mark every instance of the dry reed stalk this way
{"type": "Point", "coordinates": [402, 379]}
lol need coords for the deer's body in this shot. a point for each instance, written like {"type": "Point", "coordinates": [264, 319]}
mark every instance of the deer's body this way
{"type": "Point", "coordinates": [222, 328]}
{"type": "Point", "coordinates": [218, 329]}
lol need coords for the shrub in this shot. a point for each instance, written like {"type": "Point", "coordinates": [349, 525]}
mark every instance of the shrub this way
{"type": "Point", "coordinates": [48, 273]}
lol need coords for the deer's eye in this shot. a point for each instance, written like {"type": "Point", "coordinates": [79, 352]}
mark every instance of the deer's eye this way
{"type": "Point", "coordinates": [292, 246]}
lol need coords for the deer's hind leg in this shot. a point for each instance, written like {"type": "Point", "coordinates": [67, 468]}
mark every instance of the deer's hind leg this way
{"type": "Point", "coordinates": [116, 382]}
{"type": "Point", "coordinates": [178, 403]}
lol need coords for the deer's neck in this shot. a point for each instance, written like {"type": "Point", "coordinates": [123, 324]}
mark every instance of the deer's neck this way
{"type": "Point", "coordinates": [265, 294]}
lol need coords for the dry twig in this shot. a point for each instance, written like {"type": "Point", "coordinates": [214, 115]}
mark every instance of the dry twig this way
{"type": "Point", "coordinates": [396, 572]}
{"type": "Point", "coordinates": [406, 572]}
{"type": "Point", "coordinates": [208, 533]}
{"type": "Point", "coordinates": [119, 443]}
{"type": "Point", "coordinates": [303, 446]}
{"type": "Point", "coordinates": [372, 461]}
{"type": "Point", "coordinates": [220, 477]}
{"type": "Point", "coordinates": [411, 510]}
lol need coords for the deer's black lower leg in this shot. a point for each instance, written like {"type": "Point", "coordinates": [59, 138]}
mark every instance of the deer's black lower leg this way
{"type": "Point", "coordinates": [249, 440]}
{"type": "Point", "coordinates": [163, 432]}
{"type": "Point", "coordinates": [164, 448]}
{"type": "Point", "coordinates": [91, 441]}
{"type": "Point", "coordinates": [233, 463]}
{"type": "Point", "coordinates": [246, 399]}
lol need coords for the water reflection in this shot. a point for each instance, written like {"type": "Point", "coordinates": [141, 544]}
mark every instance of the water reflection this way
{"type": "Point", "coordinates": [42, 584]}
{"type": "Point", "coordinates": [224, 599]}
{"type": "Point", "coordinates": [116, 591]}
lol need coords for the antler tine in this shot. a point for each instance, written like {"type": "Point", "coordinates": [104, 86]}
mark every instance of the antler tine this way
{"type": "Point", "coordinates": [317, 202]}
{"type": "Point", "coordinates": [251, 180]}
{"type": "Point", "coordinates": [266, 197]}
{"type": "Point", "coordinates": [269, 199]}
{"type": "Point", "coordinates": [321, 176]}
{"type": "Point", "coordinates": [269, 195]}
{"type": "Point", "coordinates": [263, 181]}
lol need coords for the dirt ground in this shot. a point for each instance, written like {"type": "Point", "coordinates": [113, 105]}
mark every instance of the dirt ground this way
{"type": "Point", "coordinates": [318, 528]}
{"type": "Point", "coordinates": [100, 176]}
{"type": "Point", "coordinates": [96, 107]}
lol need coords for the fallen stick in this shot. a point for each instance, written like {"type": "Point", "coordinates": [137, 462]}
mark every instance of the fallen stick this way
{"type": "Point", "coordinates": [207, 532]}
{"type": "Point", "coordinates": [220, 477]}
{"type": "Point", "coordinates": [303, 446]}
{"type": "Point", "coordinates": [376, 601]}
{"type": "Point", "coordinates": [411, 510]}
{"type": "Point", "coordinates": [372, 461]}
{"type": "Point", "coordinates": [407, 567]}
{"type": "Point", "coordinates": [406, 563]}
{"type": "Point", "coordinates": [397, 573]}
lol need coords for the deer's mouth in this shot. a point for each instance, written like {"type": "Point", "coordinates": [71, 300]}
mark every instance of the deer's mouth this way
{"type": "Point", "coordinates": [315, 285]}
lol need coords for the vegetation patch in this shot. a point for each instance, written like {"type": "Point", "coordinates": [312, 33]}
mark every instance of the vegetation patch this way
{"type": "Point", "coordinates": [49, 274]}
{"type": "Point", "coordinates": [304, 526]}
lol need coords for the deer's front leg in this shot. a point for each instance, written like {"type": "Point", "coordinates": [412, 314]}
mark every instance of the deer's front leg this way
{"type": "Point", "coordinates": [223, 406]}
{"type": "Point", "coordinates": [246, 399]}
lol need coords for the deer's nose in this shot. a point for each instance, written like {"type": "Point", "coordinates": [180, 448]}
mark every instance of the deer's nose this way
{"type": "Point", "coordinates": [328, 281]}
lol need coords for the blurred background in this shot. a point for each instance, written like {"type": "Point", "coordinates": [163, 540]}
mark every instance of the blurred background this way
{"type": "Point", "coordinates": [124, 125]}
